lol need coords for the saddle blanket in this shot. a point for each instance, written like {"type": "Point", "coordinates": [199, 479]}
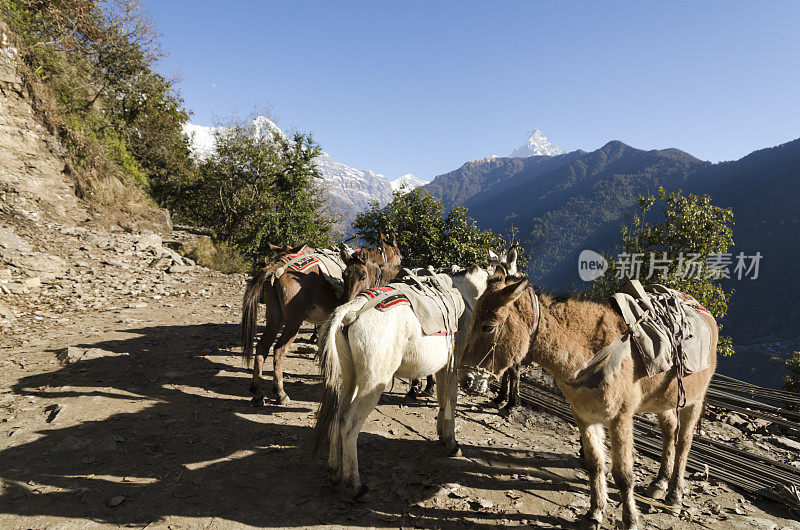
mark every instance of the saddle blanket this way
{"type": "Point", "coordinates": [663, 320]}
{"type": "Point", "coordinates": [299, 262]}
{"type": "Point", "coordinates": [329, 263]}
{"type": "Point", "coordinates": [435, 302]}
{"type": "Point", "coordinates": [662, 324]}
{"type": "Point", "coordinates": [387, 297]}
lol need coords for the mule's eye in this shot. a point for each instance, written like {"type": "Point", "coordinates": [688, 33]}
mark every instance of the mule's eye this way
{"type": "Point", "coordinates": [363, 276]}
{"type": "Point", "coordinates": [489, 328]}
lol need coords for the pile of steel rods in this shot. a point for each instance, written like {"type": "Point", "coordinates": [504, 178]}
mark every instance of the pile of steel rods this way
{"type": "Point", "coordinates": [723, 382]}
{"type": "Point", "coordinates": [750, 472]}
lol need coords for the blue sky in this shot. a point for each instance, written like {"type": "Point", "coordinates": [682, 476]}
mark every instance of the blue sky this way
{"type": "Point", "coordinates": [422, 87]}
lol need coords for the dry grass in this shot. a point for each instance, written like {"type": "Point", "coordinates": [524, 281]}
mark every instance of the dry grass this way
{"type": "Point", "coordinates": [217, 256]}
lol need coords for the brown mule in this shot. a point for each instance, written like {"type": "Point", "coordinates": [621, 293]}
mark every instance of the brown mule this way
{"type": "Point", "coordinates": [563, 339]}
{"type": "Point", "coordinates": [363, 271]}
{"type": "Point", "coordinates": [293, 298]}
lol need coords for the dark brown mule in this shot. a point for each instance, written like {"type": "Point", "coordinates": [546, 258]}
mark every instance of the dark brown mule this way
{"type": "Point", "coordinates": [292, 299]}
{"type": "Point", "coordinates": [506, 264]}
{"type": "Point", "coordinates": [565, 337]}
{"type": "Point", "coordinates": [363, 271]}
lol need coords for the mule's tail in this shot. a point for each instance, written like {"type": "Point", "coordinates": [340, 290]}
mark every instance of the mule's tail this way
{"type": "Point", "coordinates": [331, 370]}
{"type": "Point", "coordinates": [252, 296]}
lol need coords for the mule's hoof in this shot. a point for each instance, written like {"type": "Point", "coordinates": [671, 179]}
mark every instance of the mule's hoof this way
{"type": "Point", "coordinates": [589, 523]}
{"type": "Point", "coordinates": [362, 494]}
{"type": "Point", "coordinates": [656, 491]}
{"type": "Point", "coordinates": [411, 397]}
{"type": "Point", "coordinates": [334, 479]}
{"type": "Point", "coordinates": [673, 499]}
{"type": "Point", "coordinates": [505, 412]}
{"type": "Point", "coordinates": [455, 451]}
{"type": "Point", "coordinates": [283, 399]}
{"type": "Point", "coordinates": [496, 402]}
{"type": "Point", "coordinates": [675, 502]}
{"type": "Point", "coordinates": [258, 401]}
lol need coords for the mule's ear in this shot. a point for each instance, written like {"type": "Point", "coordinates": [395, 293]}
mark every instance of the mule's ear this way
{"type": "Point", "coordinates": [511, 261]}
{"type": "Point", "coordinates": [358, 256]}
{"type": "Point", "coordinates": [511, 292]}
{"type": "Point", "coordinates": [345, 253]}
{"type": "Point", "coordinates": [274, 248]}
{"type": "Point", "coordinates": [498, 274]}
{"type": "Point", "coordinates": [393, 237]}
{"type": "Point", "coordinates": [382, 236]}
{"type": "Point", "coordinates": [493, 256]}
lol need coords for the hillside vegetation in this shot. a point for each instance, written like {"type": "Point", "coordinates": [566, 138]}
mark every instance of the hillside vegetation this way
{"type": "Point", "coordinates": [90, 69]}
{"type": "Point", "coordinates": [567, 203]}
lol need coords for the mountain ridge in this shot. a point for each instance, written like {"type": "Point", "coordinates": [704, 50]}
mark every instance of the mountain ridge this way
{"type": "Point", "coordinates": [567, 203]}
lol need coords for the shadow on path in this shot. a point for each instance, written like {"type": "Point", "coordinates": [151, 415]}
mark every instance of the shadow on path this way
{"type": "Point", "coordinates": [174, 447]}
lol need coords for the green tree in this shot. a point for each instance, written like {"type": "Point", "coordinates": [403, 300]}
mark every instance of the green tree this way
{"type": "Point", "coordinates": [426, 235]}
{"type": "Point", "coordinates": [791, 382]}
{"type": "Point", "coordinates": [258, 187]}
{"type": "Point", "coordinates": [689, 231]}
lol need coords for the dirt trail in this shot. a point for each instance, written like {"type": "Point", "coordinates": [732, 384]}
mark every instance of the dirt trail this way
{"type": "Point", "coordinates": [146, 422]}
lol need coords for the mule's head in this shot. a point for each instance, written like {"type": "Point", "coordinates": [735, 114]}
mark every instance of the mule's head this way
{"type": "Point", "coordinates": [507, 261]}
{"type": "Point", "coordinates": [391, 249]}
{"type": "Point", "coordinates": [499, 335]}
{"type": "Point", "coordinates": [276, 251]}
{"type": "Point", "coordinates": [360, 273]}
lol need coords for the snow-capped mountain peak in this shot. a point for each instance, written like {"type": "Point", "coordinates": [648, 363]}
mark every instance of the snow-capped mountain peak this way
{"type": "Point", "coordinates": [536, 144]}
{"type": "Point", "coordinates": [407, 182]}
{"type": "Point", "coordinates": [262, 124]}
{"type": "Point", "coordinates": [351, 190]}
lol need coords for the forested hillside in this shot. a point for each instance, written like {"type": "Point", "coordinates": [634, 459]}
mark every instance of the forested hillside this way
{"type": "Point", "coordinates": [564, 204]}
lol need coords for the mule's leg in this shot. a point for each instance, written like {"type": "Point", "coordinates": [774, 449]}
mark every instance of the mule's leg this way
{"type": "Point", "coordinates": [430, 385]}
{"type": "Point", "coordinates": [593, 441]}
{"type": "Point", "coordinates": [274, 320]}
{"type": "Point", "coordinates": [513, 390]}
{"type": "Point", "coordinates": [350, 425]}
{"type": "Point", "coordinates": [290, 330]}
{"type": "Point", "coordinates": [502, 394]}
{"type": "Point", "coordinates": [621, 433]}
{"type": "Point", "coordinates": [334, 466]}
{"type": "Point", "coordinates": [668, 422]}
{"type": "Point", "coordinates": [413, 390]}
{"type": "Point", "coordinates": [447, 395]}
{"type": "Point", "coordinates": [440, 398]}
{"type": "Point", "coordinates": [688, 416]}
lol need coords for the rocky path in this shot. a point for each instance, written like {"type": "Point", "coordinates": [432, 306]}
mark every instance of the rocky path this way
{"type": "Point", "coordinates": [123, 403]}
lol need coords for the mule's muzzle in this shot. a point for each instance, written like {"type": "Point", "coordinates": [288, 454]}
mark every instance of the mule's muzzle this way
{"type": "Point", "coordinates": [475, 381]}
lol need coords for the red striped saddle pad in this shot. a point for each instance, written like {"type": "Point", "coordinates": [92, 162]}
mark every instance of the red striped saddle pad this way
{"type": "Point", "coordinates": [301, 262]}
{"type": "Point", "coordinates": [393, 297]}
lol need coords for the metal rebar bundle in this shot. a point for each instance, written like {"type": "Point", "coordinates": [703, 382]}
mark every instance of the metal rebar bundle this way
{"type": "Point", "coordinates": [753, 473]}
